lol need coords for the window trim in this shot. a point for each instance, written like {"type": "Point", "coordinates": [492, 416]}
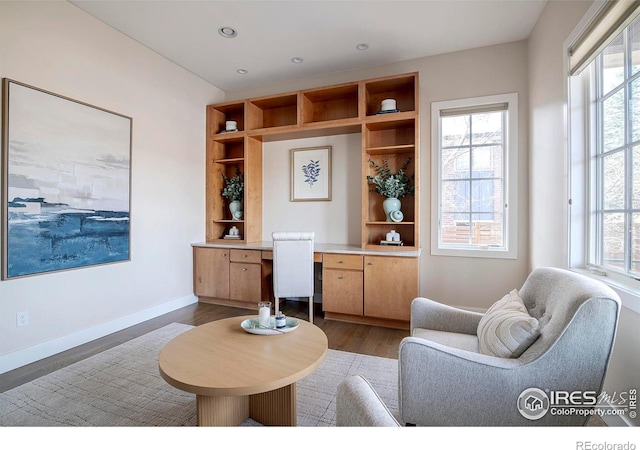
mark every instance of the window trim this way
{"type": "Point", "coordinates": [510, 174]}
{"type": "Point", "coordinates": [580, 141]}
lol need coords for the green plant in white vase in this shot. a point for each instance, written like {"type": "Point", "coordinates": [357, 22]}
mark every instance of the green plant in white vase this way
{"type": "Point", "coordinates": [234, 190]}
{"type": "Point", "coordinates": [393, 186]}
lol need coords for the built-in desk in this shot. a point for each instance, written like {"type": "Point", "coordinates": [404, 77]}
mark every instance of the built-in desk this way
{"type": "Point", "coordinates": [372, 286]}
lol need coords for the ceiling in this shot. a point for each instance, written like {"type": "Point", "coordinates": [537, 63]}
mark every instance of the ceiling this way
{"type": "Point", "coordinates": [324, 33]}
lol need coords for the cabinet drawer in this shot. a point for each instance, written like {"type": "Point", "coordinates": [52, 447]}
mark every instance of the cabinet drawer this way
{"type": "Point", "coordinates": [342, 261]}
{"type": "Point", "coordinates": [342, 291]}
{"type": "Point", "coordinates": [245, 282]}
{"type": "Point", "coordinates": [246, 256]}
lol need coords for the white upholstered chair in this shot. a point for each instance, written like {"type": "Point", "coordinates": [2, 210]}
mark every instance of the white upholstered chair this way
{"type": "Point", "coordinates": [293, 267]}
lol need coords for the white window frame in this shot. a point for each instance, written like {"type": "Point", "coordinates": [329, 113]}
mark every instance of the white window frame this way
{"type": "Point", "coordinates": [509, 251]}
{"type": "Point", "coordinates": [581, 146]}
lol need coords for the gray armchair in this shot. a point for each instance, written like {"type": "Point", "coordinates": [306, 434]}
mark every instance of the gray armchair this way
{"type": "Point", "coordinates": [358, 405]}
{"type": "Point", "coordinates": [445, 381]}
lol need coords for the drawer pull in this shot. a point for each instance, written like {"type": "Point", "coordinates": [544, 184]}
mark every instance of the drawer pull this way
{"type": "Point", "coordinates": [340, 278]}
{"type": "Point", "coordinates": [244, 269]}
{"type": "Point", "coordinates": [341, 262]}
{"type": "Point", "coordinates": [369, 264]}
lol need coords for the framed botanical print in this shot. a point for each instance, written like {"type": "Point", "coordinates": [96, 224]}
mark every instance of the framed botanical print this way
{"type": "Point", "coordinates": [311, 174]}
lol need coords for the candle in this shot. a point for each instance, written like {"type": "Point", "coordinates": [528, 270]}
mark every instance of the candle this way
{"type": "Point", "coordinates": [264, 314]}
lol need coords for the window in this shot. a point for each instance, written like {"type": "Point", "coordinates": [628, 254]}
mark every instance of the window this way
{"type": "Point", "coordinates": [605, 130]}
{"type": "Point", "coordinates": [474, 145]}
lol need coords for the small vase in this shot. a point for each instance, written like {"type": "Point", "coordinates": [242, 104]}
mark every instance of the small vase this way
{"type": "Point", "coordinates": [389, 205]}
{"type": "Point", "coordinates": [236, 209]}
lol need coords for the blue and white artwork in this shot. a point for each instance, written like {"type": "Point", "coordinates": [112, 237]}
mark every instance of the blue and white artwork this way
{"type": "Point", "coordinates": [311, 174]}
{"type": "Point", "coordinates": [66, 179]}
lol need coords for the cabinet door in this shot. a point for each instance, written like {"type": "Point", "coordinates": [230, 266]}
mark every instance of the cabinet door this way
{"type": "Point", "coordinates": [342, 291]}
{"type": "Point", "coordinates": [245, 282]}
{"type": "Point", "coordinates": [211, 272]}
{"type": "Point", "coordinates": [390, 285]}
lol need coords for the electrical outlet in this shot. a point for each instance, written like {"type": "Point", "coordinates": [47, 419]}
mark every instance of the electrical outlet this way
{"type": "Point", "coordinates": [22, 318]}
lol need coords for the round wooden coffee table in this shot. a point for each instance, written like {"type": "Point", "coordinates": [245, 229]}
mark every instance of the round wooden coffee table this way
{"type": "Point", "coordinates": [236, 375]}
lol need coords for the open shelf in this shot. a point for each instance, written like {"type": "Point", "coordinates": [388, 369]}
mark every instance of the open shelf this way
{"type": "Point", "coordinates": [273, 112]}
{"type": "Point", "coordinates": [227, 150]}
{"type": "Point", "coordinates": [391, 133]}
{"type": "Point", "coordinates": [328, 104]}
{"type": "Point", "coordinates": [217, 116]}
{"type": "Point", "coordinates": [403, 89]}
{"type": "Point", "coordinates": [377, 231]}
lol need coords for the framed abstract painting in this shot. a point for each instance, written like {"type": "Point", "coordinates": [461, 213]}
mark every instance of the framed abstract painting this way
{"type": "Point", "coordinates": [311, 174]}
{"type": "Point", "coordinates": [66, 183]}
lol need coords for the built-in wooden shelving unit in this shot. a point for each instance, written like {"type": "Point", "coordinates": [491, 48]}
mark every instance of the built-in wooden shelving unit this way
{"type": "Point", "coordinates": [340, 109]}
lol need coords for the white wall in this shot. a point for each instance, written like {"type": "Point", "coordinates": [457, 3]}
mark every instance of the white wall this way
{"type": "Point", "coordinates": [548, 169]}
{"type": "Point", "coordinates": [336, 221]}
{"type": "Point", "coordinates": [479, 72]}
{"type": "Point", "coordinates": [57, 47]}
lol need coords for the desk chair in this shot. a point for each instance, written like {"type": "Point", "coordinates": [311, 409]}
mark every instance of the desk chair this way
{"type": "Point", "coordinates": [293, 266]}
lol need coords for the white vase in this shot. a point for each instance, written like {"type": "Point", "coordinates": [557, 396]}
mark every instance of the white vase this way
{"type": "Point", "coordinates": [236, 209]}
{"type": "Point", "coordinates": [391, 204]}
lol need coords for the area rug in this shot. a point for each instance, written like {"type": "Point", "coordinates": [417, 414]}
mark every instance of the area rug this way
{"type": "Point", "coordinates": [122, 387]}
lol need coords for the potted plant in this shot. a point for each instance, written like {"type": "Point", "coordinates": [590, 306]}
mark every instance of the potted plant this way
{"type": "Point", "coordinates": [393, 186]}
{"type": "Point", "coordinates": [234, 190]}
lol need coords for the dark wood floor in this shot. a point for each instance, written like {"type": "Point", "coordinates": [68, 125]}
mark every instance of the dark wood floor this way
{"type": "Point", "coordinates": [365, 339]}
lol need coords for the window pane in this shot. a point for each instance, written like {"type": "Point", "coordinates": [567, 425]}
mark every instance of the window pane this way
{"type": "Point", "coordinates": [613, 181]}
{"type": "Point", "coordinates": [613, 65]}
{"type": "Point", "coordinates": [455, 229]}
{"type": "Point", "coordinates": [487, 229]}
{"type": "Point", "coordinates": [634, 107]}
{"type": "Point", "coordinates": [634, 41]}
{"type": "Point", "coordinates": [455, 131]}
{"type": "Point", "coordinates": [487, 128]}
{"type": "Point", "coordinates": [455, 163]}
{"type": "Point", "coordinates": [613, 121]}
{"type": "Point", "coordinates": [635, 244]}
{"type": "Point", "coordinates": [487, 161]}
{"type": "Point", "coordinates": [483, 196]}
{"type": "Point", "coordinates": [613, 240]}
{"type": "Point", "coordinates": [455, 196]}
{"type": "Point", "coordinates": [636, 178]}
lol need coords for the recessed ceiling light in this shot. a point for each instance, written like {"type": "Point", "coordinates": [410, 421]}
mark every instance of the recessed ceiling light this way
{"type": "Point", "coordinates": [362, 46]}
{"type": "Point", "coordinates": [296, 60]}
{"type": "Point", "coordinates": [227, 32]}
{"type": "Point", "coordinates": [242, 71]}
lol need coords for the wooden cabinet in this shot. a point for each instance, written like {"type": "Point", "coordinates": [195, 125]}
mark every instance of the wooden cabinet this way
{"type": "Point", "coordinates": [390, 285]}
{"type": "Point", "coordinates": [227, 274]}
{"type": "Point", "coordinates": [342, 284]}
{"type": "Point", "coordinates": [346, 108]}
{"type": "Point", "coordinates": [211, 272]}
{"type": "Point", "coordinates": [245, 275]}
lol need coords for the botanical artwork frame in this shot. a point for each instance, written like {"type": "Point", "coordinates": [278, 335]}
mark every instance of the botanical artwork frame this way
{"type": "Point", "coordinates": [311, 174]}
{"type": "Point", "coordinates": [66, 183]}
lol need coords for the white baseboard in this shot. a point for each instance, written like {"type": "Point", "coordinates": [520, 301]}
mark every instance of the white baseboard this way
{"type": "Point", "coordinates": [37, 352]}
